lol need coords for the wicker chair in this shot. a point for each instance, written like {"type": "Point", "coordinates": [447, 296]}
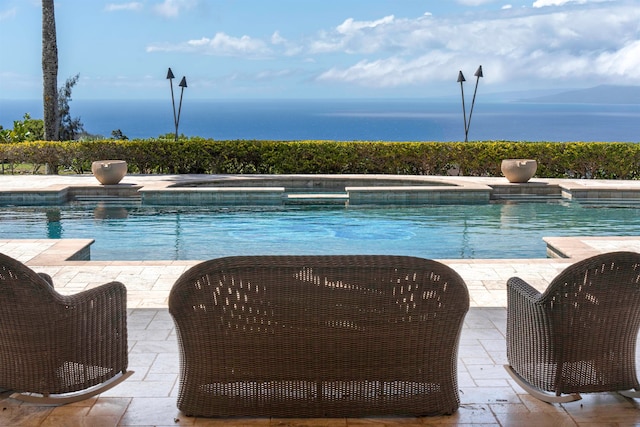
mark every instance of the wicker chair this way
{"type": "Point", "coordinates": [57, 349]}
{"type": "Point", "coordinates": [318, 336]}
{"type": "Point", "coordinates": [579, 336]}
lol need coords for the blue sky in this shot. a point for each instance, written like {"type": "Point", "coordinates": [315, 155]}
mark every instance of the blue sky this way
{"type": "Point", "coordinates": [321, 48]}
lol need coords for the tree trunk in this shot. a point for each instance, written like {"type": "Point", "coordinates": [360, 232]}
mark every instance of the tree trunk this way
{"type": "Point", "coordinates": [50, 75]}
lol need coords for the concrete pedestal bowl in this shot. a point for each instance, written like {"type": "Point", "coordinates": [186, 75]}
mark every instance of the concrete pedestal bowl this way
{"type": "Point", "coordinates": [518, 170]}
{"type": "Point", "coordinates": [109, 172]}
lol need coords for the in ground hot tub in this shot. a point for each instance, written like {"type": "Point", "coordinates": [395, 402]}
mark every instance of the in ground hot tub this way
{"type": "Point", "coordinates": [351, 190]}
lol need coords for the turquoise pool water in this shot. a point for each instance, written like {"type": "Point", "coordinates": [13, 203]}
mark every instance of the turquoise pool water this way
{"type": "Point", "coordinates": [193, 233]}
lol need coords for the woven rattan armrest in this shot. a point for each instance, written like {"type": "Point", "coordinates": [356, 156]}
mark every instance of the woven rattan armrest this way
{"type": "Point", "coordinates": [112, 290]}
{"type": "Point", "coordinates": [46, 278]}
{"type": "Point", "coordinates": [525, 290]}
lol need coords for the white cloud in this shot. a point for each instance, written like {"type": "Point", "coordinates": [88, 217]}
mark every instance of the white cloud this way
{"type": "Point", "coordinates": [623, 62]}
{"type": "Point", "coordinates": [359, 36]}
{"type": "Point", "coordinates": [351, 26]}
{"type": "Point", "coordinates": [172, 8]}
{"type": "Point", "coordinates": [514, 46]}
{"type": "Point", "coordinates": [220, 44]}
{"type": "Point", "coordinates": [475, 2]}
{"type": "Point", "coordinates": [276, 38]}
{"type": "Point", "coordinates": [394, 71]}
{"type": "Point", "coordinates": [287, 48]}
{"type": "Point", "coordinates": [544, 3]}
{"type": "Point", "coordinates": [271, 75]}
{"type": "Point", "coordinates": [116, 7]}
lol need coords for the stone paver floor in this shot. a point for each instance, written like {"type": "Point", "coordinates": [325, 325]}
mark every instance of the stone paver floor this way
{"type": "Point", "coordinates": [488, 395]}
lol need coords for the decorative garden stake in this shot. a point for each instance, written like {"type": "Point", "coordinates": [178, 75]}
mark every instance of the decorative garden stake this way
{"type": "Point", "coordinates": [461, 79]}
{"type": "Point", "coordinates": [183, 84]}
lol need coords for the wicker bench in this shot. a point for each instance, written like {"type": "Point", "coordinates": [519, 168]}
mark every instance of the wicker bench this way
{"type": "Point", "coordinates": [318, 336]}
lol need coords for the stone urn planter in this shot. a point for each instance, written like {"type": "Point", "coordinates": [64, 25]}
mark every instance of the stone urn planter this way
{"type": "Point", "coordinates": [518, 170]}
{"type": "Point", "coordinates": [109, 172]}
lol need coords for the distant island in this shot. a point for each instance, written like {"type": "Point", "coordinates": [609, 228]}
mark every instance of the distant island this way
{"type": "Point", "coordinates": [603, 94]}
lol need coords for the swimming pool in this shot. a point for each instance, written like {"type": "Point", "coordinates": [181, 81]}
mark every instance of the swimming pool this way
{"type": "Point", "coordinates": [494, 230]}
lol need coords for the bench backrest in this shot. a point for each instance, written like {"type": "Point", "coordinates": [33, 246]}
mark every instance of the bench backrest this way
{"type": "Point", "coordinates": [302, 319]}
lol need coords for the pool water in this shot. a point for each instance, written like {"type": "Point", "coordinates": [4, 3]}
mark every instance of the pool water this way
{"type": "Point", "coordinates": [496, 230]}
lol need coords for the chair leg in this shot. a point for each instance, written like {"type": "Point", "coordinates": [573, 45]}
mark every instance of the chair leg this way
{"type": "Point", "coordinates": [539, 394]}
{"type": "Point", "coordinates": [63, 399]}
{"type": "Point", "coordinates": [633, 394]}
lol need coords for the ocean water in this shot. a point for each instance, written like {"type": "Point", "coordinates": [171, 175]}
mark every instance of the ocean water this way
{"type": "Point", "coordinates": [348, 120]}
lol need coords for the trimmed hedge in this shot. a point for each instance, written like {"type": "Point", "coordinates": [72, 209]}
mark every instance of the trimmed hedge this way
{"type": "Point", "coordinates": [197, 155]}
